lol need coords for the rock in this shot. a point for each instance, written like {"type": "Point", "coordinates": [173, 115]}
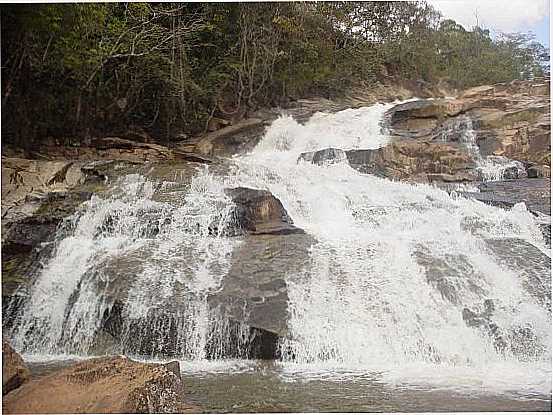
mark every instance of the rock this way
{"type": "Point", "coordinates": [406, 159]}
{"type": "Point", "coordinates": [258, 211]}
{"type": "Point", "coordinates": [534, 266]}
{"type": "Point", "coordinates": [478, 91]}
{"type": "Point", "coordinates": [539, 172]}
{"type": "Point", "coordinates": [534, 193]}
{"type": "Point", "coordinates": [117, 148]}
{"type": "Point", "coordinates": [229, 140]}
{"type": "Point", "coordinates": [430, 108]}
{"type": "Point", "coordinates": [103, 385]}
{"type": "Point", "coordinates": [255, 290]}
{"type": "Point", "coordinates": [14, 371]}
{"type": "Point", "coordinates": [511, 120]}
{"type": "Point", "coordinates": [326, 156]}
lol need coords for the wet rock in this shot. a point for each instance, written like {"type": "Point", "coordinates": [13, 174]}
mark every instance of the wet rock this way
{"type": "Point", "coordinates": [229, 140]}
{"type": "Point", "coordinates": [326, 156]}
{"type": "Point", "coordinates": [14, 371]}
{"type": "Point", "coordinates": [255, 289]}
{"type": "Point", "coordinates": [37, 196]}
{"type": "Point", "coordinates": [534, 193]}
{"type": "Point", "coordinates": [450, 275]}
{"type": "Point", "coordinates": [539, 172]}
{"type": "Point", "coordinates": [258, 211]}
{"type": "Point", "coordinates": [414, 159]}
{"type": "Point", "coordinates": [534, 266]}
{"type": "Point", "coordinates": [521, 341]}
{"type": "Point", "coordinates": [513, 172]}
{"type": "Point", "coordinates": [483, 321]}
{"type": "Point", "coordinates": [103, 385]}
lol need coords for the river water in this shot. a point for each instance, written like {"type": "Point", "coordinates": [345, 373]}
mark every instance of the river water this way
{"type": "Point", "coordinates": [378, 320]}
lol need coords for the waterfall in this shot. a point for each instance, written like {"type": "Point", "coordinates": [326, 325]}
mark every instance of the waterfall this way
{"type": "Point", "coordinates": [395, 264]}
{"type": "Point", "coordinates": [491, 168]}
{"type": "Point", "coordinates": [164, 256]}
{"type": "Point", "coordinates": [400, 274]}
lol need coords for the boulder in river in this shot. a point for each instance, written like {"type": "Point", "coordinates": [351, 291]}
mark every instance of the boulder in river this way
{"type": "Point", "coordinates": [14, 371]}
{"type": "Point", "coordinates": [104, 385]}
{"type": "Point", "coordinates": [259, 212]}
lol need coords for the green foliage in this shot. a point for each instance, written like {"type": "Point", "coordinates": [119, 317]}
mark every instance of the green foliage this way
{"type": "Point", "coordinates": [100, 68]}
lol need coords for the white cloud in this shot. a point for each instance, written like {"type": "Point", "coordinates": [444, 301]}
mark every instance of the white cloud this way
{"type": "Point", "coordinates": [498, 15]}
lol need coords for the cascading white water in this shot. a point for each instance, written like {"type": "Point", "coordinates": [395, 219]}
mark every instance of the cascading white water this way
{"type": "Point", "coordinates": [370, 297]}
{"type": "Point", "coordinates": [158, 255]}
{"type": "Point", "coordinates": [491, 168]}
{"type": "Point", "coordinates": [393, 267]}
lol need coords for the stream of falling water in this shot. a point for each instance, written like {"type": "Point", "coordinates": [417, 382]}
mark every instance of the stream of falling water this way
{"type": "Point", "coordinates": [390, 275]}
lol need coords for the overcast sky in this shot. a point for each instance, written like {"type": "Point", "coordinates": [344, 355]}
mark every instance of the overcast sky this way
{"type": "Point", "coordinates": [500, 15]}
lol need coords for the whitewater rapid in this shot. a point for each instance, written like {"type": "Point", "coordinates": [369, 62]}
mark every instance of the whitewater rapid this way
{"type": "Point", "coordinates": [393, 267]}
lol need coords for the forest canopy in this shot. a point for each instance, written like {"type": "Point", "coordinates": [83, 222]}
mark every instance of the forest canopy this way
{"type": "Point", "coordinates": [87, 69]}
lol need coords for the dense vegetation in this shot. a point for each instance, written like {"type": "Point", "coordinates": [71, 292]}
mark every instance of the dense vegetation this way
{"type": "Point", "coordinates": [79, 70]}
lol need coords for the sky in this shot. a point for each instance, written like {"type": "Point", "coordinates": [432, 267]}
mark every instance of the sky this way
{"type": "Point", "coordinates": [500, 15]}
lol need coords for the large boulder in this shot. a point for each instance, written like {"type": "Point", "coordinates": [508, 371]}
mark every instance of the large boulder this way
{"type": "Point", "coordinates": [104, 385]}
{"type": "Point", "coordinates": [429, 108]}
{"type": "Point", "coordinates": [259, 212]}
{"type": "Point", "coordinates": [14, 371]}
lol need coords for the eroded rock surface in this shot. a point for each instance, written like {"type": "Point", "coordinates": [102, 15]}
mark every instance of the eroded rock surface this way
{"type": "Point", "coordinates": [104, 385]}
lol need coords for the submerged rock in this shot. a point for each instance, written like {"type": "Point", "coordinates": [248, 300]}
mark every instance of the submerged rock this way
{"type": "Point", "coordinates": [104, 385]}
{"type": "Point", "coordinates": [14, 371]}
{"type": "Point", "coordinates": [259, 212]}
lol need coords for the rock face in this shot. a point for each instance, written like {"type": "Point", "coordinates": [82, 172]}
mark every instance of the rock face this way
{"type": "Point", "coordinates": [255, 289]}
{"type": "Point", "coordinates": [412, 159]}
{"type": "Point", "coordinates": [103, 385]}
{"type": "Point", "coordinates": [259, 212]}
{"type": "Point", "coordinates": [511, 120]}
{"type": "Point", "coordinates": [14, 371]}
